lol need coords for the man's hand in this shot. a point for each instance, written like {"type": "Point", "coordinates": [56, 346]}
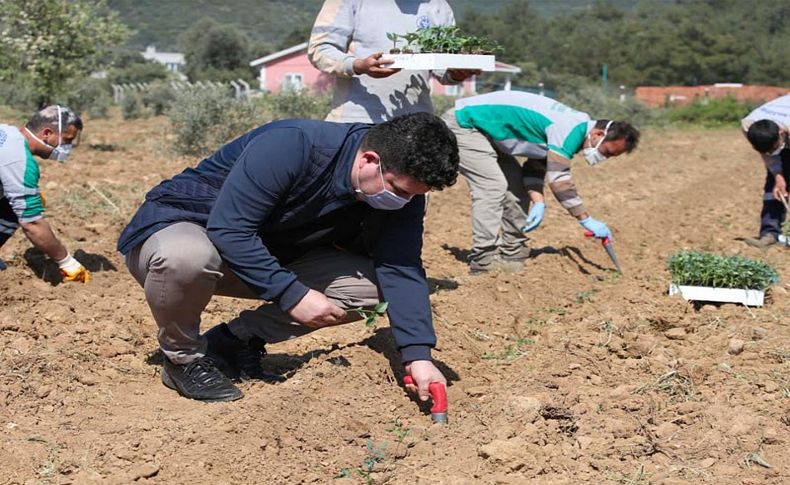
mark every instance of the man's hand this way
{"type": "Point", "coordinates": [461, 75]}
{"type": "Point", "coordinates": [315, 310]}
{"type": "Point", "coordinates": [535, 216]}
{"type": "Point", "coordinates": [780, 187]}
{"type": "Point", "coordinates": [374, 66]}
{"type": "Point", "coordinates": [72, 270]}
{"type": "Point", "coordinates": [598, 228]}
{"type": "Point", "coordinates": [424, 373]}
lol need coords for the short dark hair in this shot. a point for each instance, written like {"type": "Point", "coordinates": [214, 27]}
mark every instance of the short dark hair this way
{"type": "Point", "coordinates": [763, 135]}
{"type": "Point", "coordinates": [418, 145]}
{"type": "Point", "coordinates": [48, 118]}
{"type": "Point", "coordinates": [620, 130]}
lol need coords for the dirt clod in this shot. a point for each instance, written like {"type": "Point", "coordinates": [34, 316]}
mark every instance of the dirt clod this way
{"type": "Point", "coordinates": [735, 346]}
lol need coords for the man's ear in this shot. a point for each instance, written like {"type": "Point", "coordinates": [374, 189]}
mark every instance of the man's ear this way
{"type": "Point", "coordinates": [370, 156]}
{"type": "Point", "coordinates": [45, 132]}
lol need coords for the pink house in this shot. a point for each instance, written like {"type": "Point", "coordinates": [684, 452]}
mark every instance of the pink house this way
{"type": "Point", "coordinates": [290, 69]}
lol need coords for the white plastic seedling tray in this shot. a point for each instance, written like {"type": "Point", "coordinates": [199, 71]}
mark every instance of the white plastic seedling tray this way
{"type": "Point", "coordinates": [421, 62]}
{"type": "Point", "coordinates": [724, 295]}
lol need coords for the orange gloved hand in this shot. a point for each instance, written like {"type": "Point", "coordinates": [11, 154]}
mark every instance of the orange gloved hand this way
{"type": "Point", "coordinates": [72, 270]}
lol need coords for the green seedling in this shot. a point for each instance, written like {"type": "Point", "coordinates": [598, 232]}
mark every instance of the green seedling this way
{"type": "Point", "coordinates": [394, 38]}
{"type": "Point", "coordinates": [511, 352]}
{"type": "Point", "coordinates": [375, 454]}
{"type": "Point", "coordinates": [584, 296]}
{"type": "Point", "coordinates": [371, 316]}
{"type": "Point", "coordinates": [786, 229]}
{"type": "Point", "coordinates": [754, 458]}
{"type": "Point", "coordinates": [705, 269]}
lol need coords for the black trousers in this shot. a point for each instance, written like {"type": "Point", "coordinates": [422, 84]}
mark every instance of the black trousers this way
{"type": "Point", "coordinates": [8, 221]}
{"type": "Point", "coordinates": [774, 212]}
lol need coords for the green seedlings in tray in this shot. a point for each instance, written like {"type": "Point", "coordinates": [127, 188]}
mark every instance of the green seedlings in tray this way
{"type": "Point", "coordinates": [446, 40]}
{"type": "Point", "coordinates": [371, 316]}
{"type": "Point", "coordinates": [690, 268]}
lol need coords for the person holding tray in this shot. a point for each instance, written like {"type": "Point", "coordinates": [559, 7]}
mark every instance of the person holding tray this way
{"type": "Point", "coordinates": [348, 40]}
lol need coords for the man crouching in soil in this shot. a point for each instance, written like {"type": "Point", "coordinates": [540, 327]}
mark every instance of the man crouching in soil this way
{"type": "Point", "coordinates": [316, 218]}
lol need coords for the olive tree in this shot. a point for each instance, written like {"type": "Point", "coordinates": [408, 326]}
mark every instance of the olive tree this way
{"type": "Point", "coordinates": [46, 43]}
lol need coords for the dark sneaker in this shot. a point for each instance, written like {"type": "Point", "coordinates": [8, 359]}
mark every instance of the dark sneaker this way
{"type": "Point", "coordinates": [238, 359]}
{"type": "Point", "coordinates": [199, 379]}
{"type": "Point", "coordinates": [762, 242]}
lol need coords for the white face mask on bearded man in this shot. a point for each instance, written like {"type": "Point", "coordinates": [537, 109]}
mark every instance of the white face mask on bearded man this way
{"type": "Point", "coordinates": [592, 153]}
{"type": "Point", "coordinates": [61, 151]}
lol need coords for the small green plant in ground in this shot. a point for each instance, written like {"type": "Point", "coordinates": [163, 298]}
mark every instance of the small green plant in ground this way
{"type": "Point", "coordinates": [376, 453]}
{"type": "Point", "coordinates": [584, 296]}
{"type": "Point", "coordinates": [705, 269]}
{"type": "Point", "coordinates": [786, 229]}
{"type": "Point", "coordinates": [511, 352]}
{"type": "Point", "coordinates": [371, 316]}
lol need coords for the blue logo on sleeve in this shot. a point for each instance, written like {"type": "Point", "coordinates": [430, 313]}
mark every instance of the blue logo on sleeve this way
{"type": "Point", "coordinates": [423, 22]}
{"type": "Point", "coordinates": [3, 137]}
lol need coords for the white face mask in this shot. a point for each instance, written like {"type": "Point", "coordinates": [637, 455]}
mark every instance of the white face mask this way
{"type": "Point", "coordinates": [62, 151]}
{"type": "Point", "coordinates": [592, 153]}
{"type": "Point", "coordinates": [383, 199]}
{"type": "Point", "coordinates": [776, 152]}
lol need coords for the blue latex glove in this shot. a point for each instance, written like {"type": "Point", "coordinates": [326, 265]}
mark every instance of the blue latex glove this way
{"type": "Point", "coordinates": [535, 216]}
{"type": "Point", "coordinates": [598, 228]}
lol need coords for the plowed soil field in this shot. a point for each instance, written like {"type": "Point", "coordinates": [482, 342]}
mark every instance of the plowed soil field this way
{"type": "Point", "coordinates": [563, 373]}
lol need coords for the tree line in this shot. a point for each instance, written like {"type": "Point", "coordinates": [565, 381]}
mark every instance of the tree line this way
{"type": "Point", "coordinates": [684, 42]}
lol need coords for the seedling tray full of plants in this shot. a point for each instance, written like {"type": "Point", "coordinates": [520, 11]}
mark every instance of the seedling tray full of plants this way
{"type": "Point", "coordinates": [438, 48]}
{"type": "Point", "coordinates": [698, 276]}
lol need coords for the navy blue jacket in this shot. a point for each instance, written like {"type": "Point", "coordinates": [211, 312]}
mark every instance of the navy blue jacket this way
{"type": "Point", "coordinates": [282, 189]}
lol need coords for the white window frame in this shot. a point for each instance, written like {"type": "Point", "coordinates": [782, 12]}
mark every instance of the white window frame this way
{"type": "Point", "coordinates": [289, 81]}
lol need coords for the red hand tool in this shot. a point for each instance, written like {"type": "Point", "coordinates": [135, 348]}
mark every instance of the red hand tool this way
{"type": "Point", "coordinates": [439, 397]}
{"type": "Point", "coordinates": [607, 245]}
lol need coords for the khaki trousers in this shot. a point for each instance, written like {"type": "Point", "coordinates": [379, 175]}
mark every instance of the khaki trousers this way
{"type": "Point", "coordinates": [499, 200]}
{"type": "Point", "coordinates": [180, 271]}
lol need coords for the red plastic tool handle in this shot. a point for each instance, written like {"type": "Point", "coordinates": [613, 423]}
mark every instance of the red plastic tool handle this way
{"type": "Point", "coordinates": [604, 241]}
{"type": "Point", "coordinates": [438, 394]}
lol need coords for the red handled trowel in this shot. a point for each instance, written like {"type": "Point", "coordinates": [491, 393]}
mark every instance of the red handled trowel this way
{"type": "Point", "coordinates": [607, 245]}
{"type": "Point", "coordinates": [438, 396]}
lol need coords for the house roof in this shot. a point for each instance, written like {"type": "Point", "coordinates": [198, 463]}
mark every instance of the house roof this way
{"type": "Point", "coordinates": [279, 54]}
{"type": "Point", "coordinates": [505, 67]}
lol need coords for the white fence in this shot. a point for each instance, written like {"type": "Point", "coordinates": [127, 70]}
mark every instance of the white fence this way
{"type": "Point", "coordinates": [239, 87]}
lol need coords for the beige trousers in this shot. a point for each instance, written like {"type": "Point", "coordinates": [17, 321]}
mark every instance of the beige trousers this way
{"type": "Point", "coordinates": [180, 271]}
{"type": "Point", "coordinates": [499, 200]}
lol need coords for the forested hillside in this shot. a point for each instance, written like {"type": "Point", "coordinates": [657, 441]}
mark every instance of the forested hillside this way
{"type": "Point", "coordinates": [270, 21]}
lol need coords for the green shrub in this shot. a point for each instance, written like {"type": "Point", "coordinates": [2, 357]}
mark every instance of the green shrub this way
{"type": "Point", "coordinates": [89, 96]}
{"type": "Point", "coordinates": [17, 92]}
{"type": "Point", "coordinates": [442, 103]}
{"type": "Point", "coordinates": [159, 97]}
{"type": "Point", "coordinates": [294, 104]}
{"type": "Point", "coordinates": [132, 106]}
{"type": "Point", "coordinates": [600, 105]}
{"type": "Point", "coordinates": [204, 119]}
{"type": "Point", "coordinates": [711, 112]}
{"type": "Point", "coordinates": [705, 269]}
